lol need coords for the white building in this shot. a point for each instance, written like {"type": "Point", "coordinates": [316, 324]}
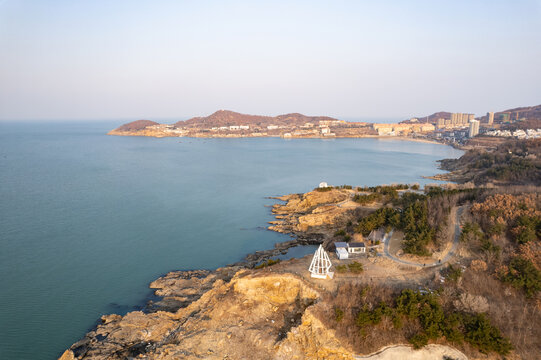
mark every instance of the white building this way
{"type": "Point", "coordinates": [323, 184]}
{"type": "Point", "coordinates": [341, 250]}
{"type": "Point", "coordinates": [474, 128]}
{"type": "Point", "coordinates": [272, 127]}
{"type": "Point", "coordinates": [234, 127]}
{"type": "Point", "coordinates": [244, 127]}
{"type": "Point", "coordinates": [356, 248]}
{"type": "Point", "coordinates": [325, 130]}
{"type": "Point", "coordinates": [490, 117]}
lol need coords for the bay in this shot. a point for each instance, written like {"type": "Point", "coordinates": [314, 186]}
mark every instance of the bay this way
{"type": "Point", "coordinates": [88, 220]}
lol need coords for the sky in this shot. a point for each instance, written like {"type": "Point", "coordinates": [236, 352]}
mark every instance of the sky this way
{"type": "Point", "coordinates": [92, 60]}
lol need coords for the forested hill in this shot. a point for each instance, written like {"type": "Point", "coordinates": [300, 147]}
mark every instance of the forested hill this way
{"type": "Point", "coordinates": [516, 162]}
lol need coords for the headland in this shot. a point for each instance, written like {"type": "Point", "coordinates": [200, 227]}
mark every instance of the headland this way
{"type": "Point", "coordinates": [447, 272]}
{"type": "Point", "coordinates": [457, 129]}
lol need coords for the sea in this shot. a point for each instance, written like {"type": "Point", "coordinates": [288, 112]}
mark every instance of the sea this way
{"type": "Point", "coordinates": [87, 220]}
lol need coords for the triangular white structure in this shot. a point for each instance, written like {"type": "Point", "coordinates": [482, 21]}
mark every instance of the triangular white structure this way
{"type": "Point", "coordinates": [319, 268]}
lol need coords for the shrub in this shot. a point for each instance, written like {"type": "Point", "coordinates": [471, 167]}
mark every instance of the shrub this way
{"type": "Point", "coordinates": [323, 189]}
{"type": "Point", "coordinates": [526, 229]}
{"type": "Point", "coordinates": [355, 267]}
{"type": "Point", "coordinates": [454, 273]}
{"type": "Point", "coordinates": [376, 220]}
{"type": "Point", "coordinates": [435, 322]}
{"type": "Point", "coordinates": [418, 340]}
{"type": "Point", "coordinates": [367, 199]}
{"type": "Point", "coordinates": [269, 262]}
{"type": "Point", "coordinates": [341, 232]}
{"type": "Point", "coordinates": [480, 333]}
{"type": "Point", "coordinates": [338, 314]}
{"type": "Point", "coordinates": [471, 231]}
{"type": "Point", "coordinates": [522, 274]}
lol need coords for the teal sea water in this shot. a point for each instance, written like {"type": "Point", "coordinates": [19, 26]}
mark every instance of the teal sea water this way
{"type": "Point", "coordinates": [88, 220]}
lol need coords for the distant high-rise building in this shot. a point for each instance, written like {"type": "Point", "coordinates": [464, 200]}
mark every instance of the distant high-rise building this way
{"type": "Point", "coordinates": [490, 118]}
{"type": "Point", "coordinates": [474, 128]}
{"type": "Point", "coordinates": [440, 123]}
{"type": "Point", "coordinates": [461, 118]}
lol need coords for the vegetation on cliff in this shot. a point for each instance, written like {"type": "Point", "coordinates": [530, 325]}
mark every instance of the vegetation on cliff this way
{"type": "Point", "coordinates": [513, 162]}
{"type": "Point", "coordinates": [421, 217]}
{"type": "Point", "coordinates": [434, 322]}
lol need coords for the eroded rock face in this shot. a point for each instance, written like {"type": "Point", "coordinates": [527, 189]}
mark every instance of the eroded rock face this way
{"type": "Point", "coordinates": [313, 212]}
{"type": "Point", "coordinates": [312, 340]}
{"type": "Point", "coordinates": [253, 315]}
{"type": "Point", "coordinates": [472, 303]}
{"type": "Point", "coordinates": [178, 289]}
{"type": "Point", "coordinates": [304, 202]}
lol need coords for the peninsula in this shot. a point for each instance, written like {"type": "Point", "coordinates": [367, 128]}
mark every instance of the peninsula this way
{"type": "Point", "coordinates": [457, 129]}
{"type": "Point", "coordinates": [449, 272]}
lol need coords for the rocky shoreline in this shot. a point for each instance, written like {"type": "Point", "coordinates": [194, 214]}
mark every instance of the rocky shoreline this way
{"type": "Point", "coordinates": [178, 290]}
{"type": "Point", "coordinates": [238, 311]}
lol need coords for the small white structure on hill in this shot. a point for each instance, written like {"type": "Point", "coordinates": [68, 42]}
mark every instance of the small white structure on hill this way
{"type": "Point", "coordinates": [356, 248]}
{"type": "Point", "coordinates": [321, 264]}
{"type": "Point", "coordinates": [323, 184]}
{"type": "Point", "coordinates": [341, 250]}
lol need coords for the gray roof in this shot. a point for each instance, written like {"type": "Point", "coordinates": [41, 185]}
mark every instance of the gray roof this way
{"type": "Point", "coordinates": [356, 244]}
{"type": "Point", "coordinates": [339, 244]}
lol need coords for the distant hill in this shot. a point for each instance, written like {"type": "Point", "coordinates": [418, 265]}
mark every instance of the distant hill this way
{"type": "Point", "coordinates": [136, 125]}
{"type": "Point", "coordinates": [228, 118]}
{"type": "Point", "coordinates": [531, 114]}
{"type": "Point", "coordinates": [431, 118]}
{"type": "Point", "coordinates": [526, 113]}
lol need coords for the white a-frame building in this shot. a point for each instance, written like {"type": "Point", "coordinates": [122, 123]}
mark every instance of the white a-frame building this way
{"type": "Point", "coordinates": [321, 264]}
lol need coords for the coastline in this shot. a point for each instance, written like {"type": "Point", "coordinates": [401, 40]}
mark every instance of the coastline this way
{"type": "Point", "coordinates": [178, 290]}
{"type": "Point", "coordinates": [177, 294]}
{"type": "Point", "coordinates": [233, 136]}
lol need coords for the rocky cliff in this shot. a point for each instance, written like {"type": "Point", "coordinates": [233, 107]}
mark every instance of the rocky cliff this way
{"type": "Point", "coordinates": [233, 314]}
{"type": "Point", "coordinates": [315, 212]}
{"type": "Point", "coordinates": [251, 315]}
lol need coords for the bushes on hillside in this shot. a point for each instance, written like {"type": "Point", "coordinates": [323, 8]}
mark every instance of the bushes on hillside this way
{"type": "Point", "coordinates": [522, 274]}
{"type": "Point", "coordinates": [435, 322]}
{"type": "Point", "coordinates": [367, 199]}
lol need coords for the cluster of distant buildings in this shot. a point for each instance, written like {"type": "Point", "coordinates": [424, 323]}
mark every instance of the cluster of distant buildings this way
{"type": "Point", "coordinates": [402, 129]}
{"type": "Point", "coordinates": [231, 128]}
{"type": "Point", "coordinates": [454, 128]}
{"type": "Point", "coordinates": [519, 134]}
{"type": "Point", "coordinates": [461, 126]}
{"type": "Point", "coordinates": [456, 120]}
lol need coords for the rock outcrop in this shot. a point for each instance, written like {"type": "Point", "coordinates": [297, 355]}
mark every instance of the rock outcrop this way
{"type": "Point", "coordinates": [318, 212]}
{"type": "Point", "coordinates": [253, 315]}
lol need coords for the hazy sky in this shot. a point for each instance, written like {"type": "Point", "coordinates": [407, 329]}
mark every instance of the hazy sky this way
{"type": "Point", "coordinates": [134, 59]}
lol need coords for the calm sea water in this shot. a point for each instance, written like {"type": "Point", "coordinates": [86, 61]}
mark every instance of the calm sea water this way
{"type": "Point", "coordinates": [88, 220]}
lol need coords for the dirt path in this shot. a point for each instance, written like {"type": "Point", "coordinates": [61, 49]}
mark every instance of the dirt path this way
{"type": "Point", "coordinates": [455, 220]}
